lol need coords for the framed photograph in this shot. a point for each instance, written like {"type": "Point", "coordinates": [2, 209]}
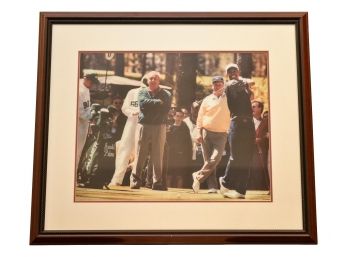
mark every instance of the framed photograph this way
{"type": "Point", "coordinates": [173, 128]}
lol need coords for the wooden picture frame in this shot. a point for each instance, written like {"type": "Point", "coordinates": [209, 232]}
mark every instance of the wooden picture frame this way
{"type": "Point", "coordinates": [48, 100]}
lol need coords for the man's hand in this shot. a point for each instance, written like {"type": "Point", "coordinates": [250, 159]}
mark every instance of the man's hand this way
{"type": "Point", "coordinates": [199, 139]}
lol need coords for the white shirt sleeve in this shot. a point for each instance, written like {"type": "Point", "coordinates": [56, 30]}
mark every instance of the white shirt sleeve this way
{"type": "Point", "coordinates": [127, 107]}
{"type": "Point", "coordinates": [131, 103]}
{"type": "Point", "coordinates": [84, 103]}
{"type": "Point", "coordinates": [200, 115]}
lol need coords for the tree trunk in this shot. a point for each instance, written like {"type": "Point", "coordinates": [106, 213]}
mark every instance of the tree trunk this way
{"type": "Point", "coordinates": [171, 60]}
{"type": "Point", "coordinates": [82, 64]}
{"type": "Point", "coordinates": [143, 64]}
{"type": "Point", "coordinates": [245, 64]}
{"type": "Point", "coordinates": [186, 79]}
{"type": "Point", "coordinates": [119, 67]}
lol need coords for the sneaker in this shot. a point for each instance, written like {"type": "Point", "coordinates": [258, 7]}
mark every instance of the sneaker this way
{"type": "Point", "coordinates": [195, 185]}
{"type": "Point", "coordinates": [114, 184]}
{"type": "Point", "coordinates": [212, 191]}
{"type": "Point", "coordinates": [234, 195]}
{"type": "Point", "coordinates": [149, 186]}
{"type": "Point", "coordinates": [159, 188]}
{"type": "Point", "coordinates": [223, 190]}
{"type": "Point", "coordinates": [134, 186]}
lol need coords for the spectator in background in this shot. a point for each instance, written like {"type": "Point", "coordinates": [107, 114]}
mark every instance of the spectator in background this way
{"type": "Point", "coordinates": [170, 118]}
{"type": "Point", "coordinates": [185, 112]}
{"type": "Point", "coordinates": [265, 116]}
{"type": "Point", "coordinates": [259, 179]}
{"type": "Point", "coordinates": [118, 118]}
{"type": "Point", "coordinates": [179, 151]}
{"type": "Point", "coordinates": [261, 129]}
{"type": "Point", "coordinates": [197, 152]}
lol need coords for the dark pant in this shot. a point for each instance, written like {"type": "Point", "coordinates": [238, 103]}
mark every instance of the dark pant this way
{"type": "Point", "coordinates": [241, 138]}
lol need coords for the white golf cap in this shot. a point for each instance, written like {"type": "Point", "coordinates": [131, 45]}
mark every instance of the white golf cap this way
{"type": "Point", "coordinates": [232, 65]}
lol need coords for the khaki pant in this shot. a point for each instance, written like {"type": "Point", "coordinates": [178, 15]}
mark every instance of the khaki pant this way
{"type": "Point", "coordinates": [149, 139]}
{"type": "Point", "coordinates": [213, 147]}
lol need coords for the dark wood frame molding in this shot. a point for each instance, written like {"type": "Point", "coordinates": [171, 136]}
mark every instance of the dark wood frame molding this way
{"type": "Point", "coordinates": [38, 235]}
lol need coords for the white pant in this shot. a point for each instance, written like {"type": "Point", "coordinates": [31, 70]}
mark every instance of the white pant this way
{"type": "Point", "coordinates": [126, 150]}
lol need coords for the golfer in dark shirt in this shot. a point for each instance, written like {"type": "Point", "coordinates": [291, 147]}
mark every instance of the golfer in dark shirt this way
{"type": "Point", "coordinates": [241, 135]}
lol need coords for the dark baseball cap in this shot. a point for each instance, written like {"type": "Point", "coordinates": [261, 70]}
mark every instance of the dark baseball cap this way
{"type": "Point", "coordinates": [92, 77]}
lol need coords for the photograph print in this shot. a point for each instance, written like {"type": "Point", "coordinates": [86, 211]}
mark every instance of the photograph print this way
{"type": "Point", "coordinates": [173, 126]}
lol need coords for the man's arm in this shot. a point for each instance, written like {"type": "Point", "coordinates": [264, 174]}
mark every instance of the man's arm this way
{"type": "Point", "coordinates": [145, 100]}
{"type": "Point", "coordinates": [200, 122]}
{"type": "Point", "coordinates": [230, 96]}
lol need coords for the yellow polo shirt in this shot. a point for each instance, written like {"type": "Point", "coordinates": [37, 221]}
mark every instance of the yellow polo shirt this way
{"type": "Point", "coordinates": [214, 114]}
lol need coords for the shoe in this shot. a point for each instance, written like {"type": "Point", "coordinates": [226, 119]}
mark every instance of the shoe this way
{"type": "Point", "coordinates": [196, 184]}
{"type": "Point", "coordinates": [113, 184]}
{"type": "Point", "coordinates": [223, 190]}
{"type": "Point", "coordinates": [149, 186]}
{"type": "Point", "coordinates": [159, 188]}
{"type": "Point", "coordinates": [134, 186]}
{"type": "Point", "coordinates": [212, 191]}
{"type": "Point", "coordinates": [234, 195]}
